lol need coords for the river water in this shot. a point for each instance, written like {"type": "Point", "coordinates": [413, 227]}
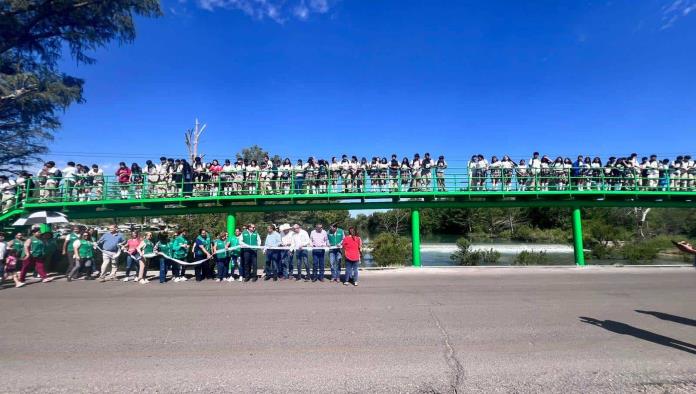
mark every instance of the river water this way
{"type": "Point", "coordinates": [436, 251]}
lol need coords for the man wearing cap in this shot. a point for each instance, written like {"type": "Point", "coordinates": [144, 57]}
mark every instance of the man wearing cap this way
{"type": "Point", "coordinates": [319, 241]}
{"type": "Point", "coordinates": [335, 237]}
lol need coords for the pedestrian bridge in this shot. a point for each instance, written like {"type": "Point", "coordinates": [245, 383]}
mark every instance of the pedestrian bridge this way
{"type": "Point", "coordinates": [109, 198]}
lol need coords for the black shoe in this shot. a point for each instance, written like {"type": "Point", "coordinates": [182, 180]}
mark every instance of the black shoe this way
{"type": "Point", "coordinates": [314, 280]}
{"type": "Point", "coordinates": [275, 279]}
{"type": "Point", "coordinates": [267, 278]}
{"type": "Point", "coordinates": [254, 279]}
{"type": "Point", "coordinates": [246, 279]}
{"type": "Point", "coordinates": [321, 279]}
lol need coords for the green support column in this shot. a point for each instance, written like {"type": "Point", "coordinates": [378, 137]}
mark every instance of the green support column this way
{"type": "Point", "coordinates": [231, 223]}
{"type": "Point", "coordinates": [577, 238]}
{"type": "Point", "coordinates": [415, 237]}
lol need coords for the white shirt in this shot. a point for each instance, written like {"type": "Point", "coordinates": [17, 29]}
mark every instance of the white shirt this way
{"type": "Point", "coordinates": [286, 239]}
{"type": "Point", "coordinates": [9, 187]}
{"type": "Point", "coordinates": [69, 173]}
{"type": "Point", "coordinates": [300, 239]}
{"type": "Point", "coordinates": [3, 250]}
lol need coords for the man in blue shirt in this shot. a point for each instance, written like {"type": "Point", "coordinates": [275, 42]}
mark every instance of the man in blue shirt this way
{"type": "Point", "coordinates": [110, 243]}
{"type": "Point", "coordinates": [273, 240]}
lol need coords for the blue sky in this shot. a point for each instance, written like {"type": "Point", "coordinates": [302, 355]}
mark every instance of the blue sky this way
{"type": "Point", "coordinates": [322, 78]}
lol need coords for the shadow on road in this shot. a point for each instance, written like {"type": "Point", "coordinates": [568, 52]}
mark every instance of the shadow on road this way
{"type": "Point", "coordinates": [626, 329]}
{"type": "Point", "coordinates": [667, 316]}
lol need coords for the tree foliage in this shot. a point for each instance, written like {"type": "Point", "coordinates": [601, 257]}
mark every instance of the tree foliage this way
{"type": "Point", "coordinates": [389, 249]}
{"type": "Point", "coordinates": [33, 36]}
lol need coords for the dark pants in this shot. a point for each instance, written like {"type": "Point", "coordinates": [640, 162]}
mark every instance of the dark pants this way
{"type": "Point", "coordinates": [165, 264]}
{"type": "Point", "coordinates": [203, 270]}
{"type": "Point", "coordinates": [221, 265]}
{"type": "Point", "coordinates": [79, 263]}
{"type": "Point", "coordinates": [335, 260]}
{"type": "Point", "coordinates": [290, 259]}
{"type": "Point", "coordinates": [249, 263]}
{"type": "Point", "coordinates": [273, 266]}
{"type": "Point", "coordinates": [302, 260]}
{"type": "Point", "coordinates": [299, 182]}
{"type": "Point", "coordinates": [285, 262]}
{"type": "Point", "coordinates": [351, 270]}
{"type": "Point", "coordinates": [132, 263]}
{"type": "Point", "coordinates": [318, 263]}
{"type": "Point", "coordinates": [235, 263]}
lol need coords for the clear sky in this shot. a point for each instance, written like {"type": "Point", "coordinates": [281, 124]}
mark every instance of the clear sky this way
{"type": "Point", "coordinates": [322, 78]}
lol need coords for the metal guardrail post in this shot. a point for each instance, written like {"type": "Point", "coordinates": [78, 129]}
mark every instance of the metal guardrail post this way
{"type": "Point", "coordinates": [415, 237]}
{"type": "Point", "coordinates": [577, 238]}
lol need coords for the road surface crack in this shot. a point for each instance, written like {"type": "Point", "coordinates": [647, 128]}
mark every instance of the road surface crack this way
{"type": "Point", "coordinates": [450, 356]}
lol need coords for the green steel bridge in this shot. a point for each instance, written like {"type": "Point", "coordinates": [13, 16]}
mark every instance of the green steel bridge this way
{"type": "Point", "coordinates": [108, 198]}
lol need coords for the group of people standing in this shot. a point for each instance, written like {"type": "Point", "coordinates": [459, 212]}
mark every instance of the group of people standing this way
{"type": "Point", "coordinates": [225, 257]}
{"type": "Point", "coordinates": [181, 178]}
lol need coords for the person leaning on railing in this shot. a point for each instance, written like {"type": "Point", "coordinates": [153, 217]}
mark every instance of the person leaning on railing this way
{"type": "Point", "coordinates": [8, 188]}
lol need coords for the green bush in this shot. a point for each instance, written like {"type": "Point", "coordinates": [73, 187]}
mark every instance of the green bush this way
{"type": "Point", "coordinates": [465, 256]}
{"type": "Point", "coordinates": [644, 250]}
{"type": "Point", "coordinates": [390, 249]}
{"type": "Point", "coordinates": [531, 258]}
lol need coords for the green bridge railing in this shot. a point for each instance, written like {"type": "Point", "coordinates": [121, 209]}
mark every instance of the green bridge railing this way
{"type": "Point", "coordinates": [148, 195]}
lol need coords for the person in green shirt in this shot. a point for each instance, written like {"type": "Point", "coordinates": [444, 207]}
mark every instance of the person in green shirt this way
{"type": "Point", "coordinates": [83, 256]}
{"type": "Point", "coordinates": [234, 254]}
{"type": "Point", "coordinates": [164, 252]}
{"type": "Point", "coordinates": [35, 253]}
{"type": "Point", "coordinates": [250, 238]}
{"type": "Point", "coordinates": [67, 248]}
{"type": "Point", "coordinates": [201, 250]}
{"type": "Point", "coordinates": [180, 249]}
{"type": "Point", "coordinates": [336, 236]}
{"type": "Point", "coordinates": [18, 245]}
{"type": "Point", "coordinates": [220, 245]}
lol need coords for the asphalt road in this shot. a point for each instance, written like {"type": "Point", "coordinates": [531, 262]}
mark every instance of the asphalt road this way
{"type": "Point", "coordinates": [411, 330]}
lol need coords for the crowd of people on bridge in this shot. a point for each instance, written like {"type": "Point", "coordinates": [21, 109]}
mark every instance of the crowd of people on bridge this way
{"type": "Point", "coordinates": [220, 257]}
{"type": "Point", "coordinates": [178, 177]}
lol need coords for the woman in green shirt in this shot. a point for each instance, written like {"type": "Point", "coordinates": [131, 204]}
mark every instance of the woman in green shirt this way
{"type": "Point", "coordinates": [164, 250]}
{"type": "Point", "coordinates": [234, 261]}
{"type": "Point", "coordinates": [83, 256]}
{"type": "Point", "coordinates": [221, 256]}
{"type": "Point", "coordinates": [180, 249]}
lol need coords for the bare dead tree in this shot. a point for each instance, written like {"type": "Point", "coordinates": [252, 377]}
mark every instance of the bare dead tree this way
{"type": "Point", "coordinates": [191, 138]}
{"type": "Point", "coordinates": [641, 219]}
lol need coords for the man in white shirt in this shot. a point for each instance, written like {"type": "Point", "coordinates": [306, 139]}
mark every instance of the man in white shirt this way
{"type": "Point", "coordinates": [653, 170]}
{"type": "Point", "coordinates": [97, 176]}
{"type": "Point", "coordinates": [69, 179]}
{"type": "Point", "coordinates": [300, 243]}
{"type": "Point", "coordinates": [286, 255]}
